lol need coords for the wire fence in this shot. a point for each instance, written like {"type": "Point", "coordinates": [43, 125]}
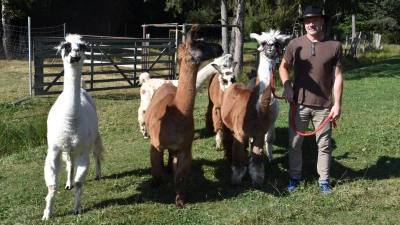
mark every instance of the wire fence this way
{"type": "Point", "coordinates": [15, 39]}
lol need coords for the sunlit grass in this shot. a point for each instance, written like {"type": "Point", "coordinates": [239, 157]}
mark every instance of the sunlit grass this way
{"type": "Point", "coordinates": [365, 169]}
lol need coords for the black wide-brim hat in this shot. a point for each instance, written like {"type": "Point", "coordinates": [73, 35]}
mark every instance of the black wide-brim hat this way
{"type": "Point", "coordinates": [313, 11]}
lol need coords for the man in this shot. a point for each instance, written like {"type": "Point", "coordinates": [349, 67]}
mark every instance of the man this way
{"type": "Point", "coordinates": [317, 63]}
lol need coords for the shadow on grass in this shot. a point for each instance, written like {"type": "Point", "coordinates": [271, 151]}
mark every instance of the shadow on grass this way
{"type": "Point", "coordinates": [383, 69]}
{"type": "Point", "coordinates": [209, 180]}
{"type": "Point", "coordinates": [385, 168]}
{"type": "Point", "coordinates": [202, 133]}
{"type": "Point", "coordinates": [199, 188]}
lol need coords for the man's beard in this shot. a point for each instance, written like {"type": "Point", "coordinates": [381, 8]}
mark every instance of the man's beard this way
{"type": "Point", "coordinates": [313, 32]}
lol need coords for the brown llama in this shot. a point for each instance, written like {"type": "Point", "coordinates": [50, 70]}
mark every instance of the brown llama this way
{"type": "Point", "coordinates": [219, 82]}
{"type": "Point", "coordinates": [245, 112]}
{"type": "Point", "coordinates": [169, 116]}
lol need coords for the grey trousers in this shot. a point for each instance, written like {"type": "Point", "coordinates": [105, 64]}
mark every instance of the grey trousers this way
{"type": "Point", "coordinates": [303, 115]}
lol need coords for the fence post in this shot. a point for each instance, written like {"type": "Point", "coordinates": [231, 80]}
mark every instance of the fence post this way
{"type": "Point", "coordinates": [91, 66]}
{"type": "Point", "coordinates": [365, 38]}
{"type": "Point", "coordinates": [30, 56]}
{"type": "Point", "coordinates": [176, 50]}
{"type": "Point", "coordinates": [39, 81]}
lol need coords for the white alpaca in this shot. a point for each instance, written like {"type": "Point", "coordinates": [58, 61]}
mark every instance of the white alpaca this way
{"type": "Point", "coordinates": [149, 86]}
{"type": "Point", "coordinates": [268, 55]}
{"type": "Point", "coordinates": [72, 128]}
{"type": "Point", "coordinates": [218, 84]}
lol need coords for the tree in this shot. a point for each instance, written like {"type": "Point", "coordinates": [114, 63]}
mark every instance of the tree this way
{"type": "Point", "coordinates": [6, 39]}
{"type": "Point", "coordinates": [237, 37]}
{"type": "Point", "coordinates": [224, 21]}
{"type": "Point", "coordinates": [386, 18]}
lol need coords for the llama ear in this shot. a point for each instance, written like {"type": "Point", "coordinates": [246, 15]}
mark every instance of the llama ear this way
{"type": "Point", "coordinates": [234, 65]}
{"type": "Point", "coordinates": [82, 46]}
{"type": "Point", "coordinates": [254, 36]}
{"type": "Point", "coordinates": [284, 39]}
{"type": "Point", "coordinates": [192, 33]}
{"type": "Point", "coordinates": [217, 68]}
{"type": "Point", "coordinates": [59, 47]}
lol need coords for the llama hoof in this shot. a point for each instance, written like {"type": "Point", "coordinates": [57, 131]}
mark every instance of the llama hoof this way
{"type": "Point", "coordinates": [46, 215]}
{"type": "Point", "coordinates": [97, 178]}
{"type": "Point", "coordinates": [180, 204]}
{"type": "Point", "coordinates": [257, 174]}
{"type": "Point", "coordinates": [237, 175]}
{"type": "Point", "coordinates": [145, 134]}
{"type": "Point", "coordinates": [218, 149]}
{"type": "Point", "coordinates": [258, 181]}
{"type": "Point", "coordinates": [68, 187]}
{"type": "Point", "coordinates": [235, 182]}
{"type": "Point", "coordinates": [78, 210]}
{"type": "Point", "coordinates": [156, 182]}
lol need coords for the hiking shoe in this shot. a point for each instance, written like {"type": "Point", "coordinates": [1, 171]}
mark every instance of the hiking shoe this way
{"type": "Point", "coordinates": [292, 184]}
{"type": "Point", "coordinates": [324, 187]}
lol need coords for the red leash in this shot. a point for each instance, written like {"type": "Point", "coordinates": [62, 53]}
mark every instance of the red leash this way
{"type": "Point", "coordinates": [293, 111]}
{"type": "Point", "coordinates": [316, 130]}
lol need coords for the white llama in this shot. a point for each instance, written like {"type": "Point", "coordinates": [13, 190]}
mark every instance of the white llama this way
{"type": "Point", "coordinates": [149, 86]}
{"type": "Point", "coordinates": [72, 128]}
{"type": "Point", "coordinates": [269, 47]}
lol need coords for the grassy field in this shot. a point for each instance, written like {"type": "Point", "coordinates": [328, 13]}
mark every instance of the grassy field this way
{"type": "Point", "coordinates": [365, 168]}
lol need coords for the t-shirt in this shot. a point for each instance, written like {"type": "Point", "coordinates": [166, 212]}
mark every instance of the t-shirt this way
{"type": "Point", "coordinates": [313, 69]}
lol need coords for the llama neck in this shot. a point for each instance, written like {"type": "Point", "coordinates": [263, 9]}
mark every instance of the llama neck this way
{"type": "Point", "coordinates": [72, 89]}
{"type": "Point", "coordinates": [186, 91]}
{"type": "Point", "coordinates": [265, 70]}
{"type": "Point", "coordinates": [203, 75]}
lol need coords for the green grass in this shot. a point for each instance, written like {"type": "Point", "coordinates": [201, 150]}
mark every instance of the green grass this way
{"type": "Point", "coordinates": [365, 168]}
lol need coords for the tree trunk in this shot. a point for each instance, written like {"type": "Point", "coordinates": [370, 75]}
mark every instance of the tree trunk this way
{"type": "Point", "coordinates": [5, 16]}
{"type": "Point", "coordinates": [238, 34]}
{"type": "Point", "coordinates": [233, 32]}
{"type": "Point", "coordinates": [224, 21]}
{"type": "Point", "coordinates": [300, 14]}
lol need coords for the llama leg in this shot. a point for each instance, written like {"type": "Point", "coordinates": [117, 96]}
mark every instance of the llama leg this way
{"type": "Point", "coordinates": [142, 125]}
{"type": "Point", "coordinates": [227, 141]}
{"type": "Point", "coordinates": [217, 127]}
{"type": "Point", "coordinates": [209, 119]}
{"type": "Point", "coordinates": [69, 161]}
{"type": "Point", "coordinates": [82, 169]}
{"type": "Point", "coordinates": [184, 161]}
{"type": "Point", "coordinates": [269, 140]}
{"type": "Point", "coordinates": [256, 164]}
{"type": "Point", "coordinates": [51, 169]}
{"type": "Point", "coordinates": [270, 137]}
{"type": "Point", "coordinates": [238, 160]}
{"type": "Point", "coordinates": [98, 149]}
{"type": "Point", "coordinates": [218, 139]}
{"type": "Point", "coordinates": [157, 164]}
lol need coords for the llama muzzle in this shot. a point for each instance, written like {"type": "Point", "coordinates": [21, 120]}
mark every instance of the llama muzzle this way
{"type": "Point", "coordinates": [74, 59]}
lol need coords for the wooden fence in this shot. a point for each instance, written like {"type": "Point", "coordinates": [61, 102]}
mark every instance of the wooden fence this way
{"type": "Point", "coordinates": [362, 43]}
{"type": "Point", "coordinates": [111, 63]}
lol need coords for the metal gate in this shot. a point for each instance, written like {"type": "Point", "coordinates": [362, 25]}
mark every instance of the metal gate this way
{"type": "Point", "coordinates": [111, 63]}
